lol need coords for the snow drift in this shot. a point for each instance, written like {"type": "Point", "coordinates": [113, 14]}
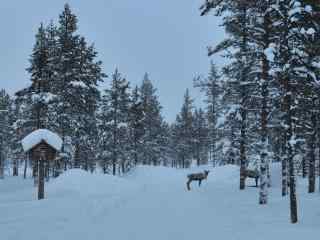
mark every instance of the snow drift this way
{"type": "Point", "coordinates": [152, 203]}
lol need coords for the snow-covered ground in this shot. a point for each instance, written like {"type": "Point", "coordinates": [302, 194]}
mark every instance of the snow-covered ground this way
{"type": "Point", "coordinates": [152, 203]}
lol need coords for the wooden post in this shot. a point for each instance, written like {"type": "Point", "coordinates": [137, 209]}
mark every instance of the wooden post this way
{"type": "Point", "coordinates": [41, 178]}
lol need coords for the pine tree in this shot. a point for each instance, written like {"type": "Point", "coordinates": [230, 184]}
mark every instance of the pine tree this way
{"type": "Point", "coordinates": [63, 95]}
{"type": "Point", "coordinates": [114, 120]}
{"type": "Point", "coordinates": [152, 123]}
{"type": "Point", "coordinates": [77, 74]}
{"type": "Point", "coordinates": [237, 26]}
{"type": "Point", "coordinates": [201, 137]}
{"type": "Point", "coordinates": [230, 127]}
{"type": "Point", "coordinates": [212, 89]}
{"type": "Point", "coordinates": [5, 129]}
{"type": "Point", "coordinates": [33, 103]}
{"type": "Point", "coordinates": [40, 78]}
{"type": "Point", "coordinates": [261, 35]}
{"type": "Point", "coordinates": [164, 144]}
{"type": "Point", "coordinates": [136, 116]}
{"type": "Point", "coordinates": [287, 15]}
{"type": "Point", "coordinates": [184, 133]}
{"type": "Point", "coordinates": [309, 56]}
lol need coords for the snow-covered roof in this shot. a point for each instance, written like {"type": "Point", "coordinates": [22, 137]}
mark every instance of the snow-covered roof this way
{"type": "Point", "coordinates": [40, 135]}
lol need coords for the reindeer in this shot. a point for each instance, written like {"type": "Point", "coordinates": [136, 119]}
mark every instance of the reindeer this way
{"type": "Point", "coordinates": [197, 177]}
{"type": "Point", "coordinates": [252, 174]}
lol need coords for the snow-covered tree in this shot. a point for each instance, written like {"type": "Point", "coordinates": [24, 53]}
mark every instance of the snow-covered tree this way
{"type": "Point", "coordinates": [5, 129]}
{"type": "Point", "coordinates": [200, 137]}
{"type": "Point", "coordinates": [152, 123]}
{"type": "Point", "coordinates": [211, 86]}
{"type": "Point", "coordinates": [114, 121]}
{"type": "Point", "coordinates": [136, 130]}
{"type": "Point", "coordinates": [237, 24]}
{"type": "Point", "coordinates": [183, 133]}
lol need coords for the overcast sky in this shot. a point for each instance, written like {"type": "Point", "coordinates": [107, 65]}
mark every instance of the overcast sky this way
{"type": "Point", "coordinates": [166, 38]}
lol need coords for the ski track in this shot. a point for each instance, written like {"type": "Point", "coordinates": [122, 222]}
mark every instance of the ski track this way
{"type": "Point", "coordinates": [151, 203]}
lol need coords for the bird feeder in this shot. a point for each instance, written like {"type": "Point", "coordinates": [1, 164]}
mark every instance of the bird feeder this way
{"type": "Point", "coordinates": [42, 147]}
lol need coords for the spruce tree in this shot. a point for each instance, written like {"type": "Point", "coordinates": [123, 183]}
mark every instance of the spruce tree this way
{"type": "Point", "coordinates": [136, 130]}
{"type": "Point", "coordinates": [77, 74]}
{"type": "Point", "coordinates": [211, 86]}
{"type": "Point", "coordinates": [200, 137]}
{"type": "Point", "coordinates": [152, 123]}
{"type": "Point", "coordinates": [287, 14]}
{"type": "Point", "coordinates": [262, 35]}
{"type": "Point", "coordinates": [237, 25]}
{"type": "Point", "coordinates": [114, 121]}
{"type": "Point", "coordinates": [5, 129]}
{"type": "Point", "coordinates": [184, 133]}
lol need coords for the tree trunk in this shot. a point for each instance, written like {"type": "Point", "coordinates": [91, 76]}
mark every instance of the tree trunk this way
{"type": "Point", "coordinates": [269, 175]}
{"type": "Point", "coordinates": [293, 197]}
{"type": "Point", "coordinates": [289, 151]}
{"type": "Point", "coordinates": [319, 163]}
{"type": "Point", "coordinates": [311, 156]}
{"type": "Point", "coordinates": [123, 168]}
{"type": "Point", "coordinates": [264, 166]}
{"type": "Point", "coordinates": [77, 160]}
{"type": "Point", "coordinates": [15, 167]}
{"type": "Point", "coordinates": [284, 173]}
{"type": "Point", "coordinates": [1, 163]}
{"type": "Point", "coordinates": [25, 168]}
{"type": "Point", "coordinates": [304, 167]}
{"type": "Point", "coordinates": [311, 177]}
{"type": "Point", "coordinates": [243, 110]}
{"type": "Point", "coordinates": [47, 170]}
{"type": "Point", "coordinates": [114, 167]}
{"type": "Point", "coordinates": [319, 167]}
{"type": "Point", "coordinates": [135, 151]}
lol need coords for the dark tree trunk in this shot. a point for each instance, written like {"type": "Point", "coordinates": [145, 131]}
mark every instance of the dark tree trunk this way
{"type": "Point", "coordinates": [114, 167]}
{"type": "Point", "coordinates": [47, 170]}
{"type": "Point", "coordinates": [284, 173]}
{"type": "Point", "coordinates": [243, 110]}
{"type": "Point", "coordinates": [104, 168]}
{"type": "Point", "coordinates": [77, 160]}
{"type": "Point", "coordinates": [293, 197]}
{"type": "Point", "coordinates": [15, 167]}
{"type": "Point", "coordinates": [311, 157]}
{"type": "Point", "coordinates": [289, 150]}
{"type": "Point", "coordinates": [1, 162]}
{"type": "Point", "coordinates": [319, 161]}
{"type": "Point", "coordinates": [25, 168]}
{"type": "Point", "coordinates": [304, 167]}
{"type": "Point", "coordinates": [135, 152]}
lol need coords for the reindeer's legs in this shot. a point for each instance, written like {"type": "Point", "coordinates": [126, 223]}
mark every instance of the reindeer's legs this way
{"type": "Point", "coordinates": [188, 184]}
{"type": "Point", "coordinates": [257, 181]}
{"type": "Point", "coordinates": [200, 183]}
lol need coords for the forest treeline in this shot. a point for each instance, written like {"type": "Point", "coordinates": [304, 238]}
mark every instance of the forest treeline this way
{"type": "Point", "coordinates": [261, 107]}
{"type": "Point", "coordinates": [113, 130]}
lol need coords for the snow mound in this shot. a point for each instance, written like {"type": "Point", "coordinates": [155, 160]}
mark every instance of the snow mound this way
{"type": "Point", "coordinates": [40, 135]}
{"type": "Point", "coordinates": [155, 174]}
{"type": "Point", "coordinates": [153, 203]}
{"type": "Point", "coordinates": [77, 182]}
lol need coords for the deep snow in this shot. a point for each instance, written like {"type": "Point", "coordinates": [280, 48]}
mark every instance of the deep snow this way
{"type": "Point", "coordinates": [152, 203]}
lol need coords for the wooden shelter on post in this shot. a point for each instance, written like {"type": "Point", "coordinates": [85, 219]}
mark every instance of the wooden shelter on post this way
{"type": "Point", "coordinates": [42, 147]}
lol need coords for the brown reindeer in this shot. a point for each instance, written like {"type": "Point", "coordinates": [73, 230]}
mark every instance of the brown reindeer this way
{"type": "Point", "coordinates": [252, 174]}
{"type": "Point", "coordinates": [197, 177]}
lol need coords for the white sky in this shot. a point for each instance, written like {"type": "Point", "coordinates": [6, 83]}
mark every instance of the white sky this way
{"type": "Point", "coordinates": [165, 38]}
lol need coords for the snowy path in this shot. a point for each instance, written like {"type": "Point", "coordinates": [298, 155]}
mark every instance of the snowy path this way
{"type": "Point", "coordinates": [150, 204]}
